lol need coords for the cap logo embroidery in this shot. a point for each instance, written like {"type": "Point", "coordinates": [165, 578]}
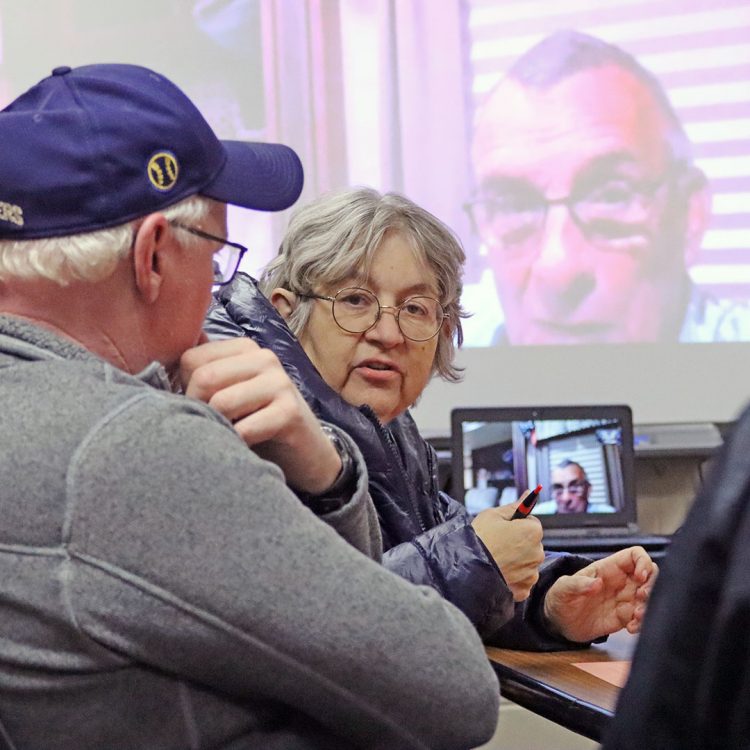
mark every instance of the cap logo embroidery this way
{"type": "Point", "coordinates": [163, 170]}
{"type": "Point", "coordinates": [11, 213]}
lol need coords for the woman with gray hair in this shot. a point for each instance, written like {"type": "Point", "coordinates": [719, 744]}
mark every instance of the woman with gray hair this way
{"type": "Point", "coordinates": [367, 289]}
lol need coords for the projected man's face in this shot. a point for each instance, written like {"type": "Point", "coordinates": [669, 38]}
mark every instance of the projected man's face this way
{"type": "Point", "coordinates": [587, 230]}
{"type": "Point", "coordinates": [570, 489]}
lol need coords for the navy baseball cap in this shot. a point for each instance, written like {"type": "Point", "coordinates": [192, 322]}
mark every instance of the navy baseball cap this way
{"type": "Point", "coordinates": [99, 145]}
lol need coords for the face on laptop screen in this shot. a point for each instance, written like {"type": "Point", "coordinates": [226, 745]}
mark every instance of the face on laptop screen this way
{"type": "Point", "coordinates": [582, 457]}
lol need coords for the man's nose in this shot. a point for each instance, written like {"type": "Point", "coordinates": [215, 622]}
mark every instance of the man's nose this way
{"type": "Point", "coordinates": [564, 261]}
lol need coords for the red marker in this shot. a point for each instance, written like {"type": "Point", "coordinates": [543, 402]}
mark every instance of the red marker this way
{"type": "Point", "coordinates": [527, 504]}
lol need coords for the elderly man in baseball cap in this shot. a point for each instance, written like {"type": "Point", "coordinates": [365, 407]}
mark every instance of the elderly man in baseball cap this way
{"type": "Point", "coordinates": [172, 572]}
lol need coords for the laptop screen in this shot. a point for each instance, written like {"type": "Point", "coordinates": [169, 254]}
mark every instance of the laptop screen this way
{"type": "Point", "coordinates": [581, 455]}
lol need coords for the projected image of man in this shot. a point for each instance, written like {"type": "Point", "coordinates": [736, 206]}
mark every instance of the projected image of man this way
{"type": "Point", "coordinates": [588, 203]}
{"type": "Point", "coordinates": [570, 491]}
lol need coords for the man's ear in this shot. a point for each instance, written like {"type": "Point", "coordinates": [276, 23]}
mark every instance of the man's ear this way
{"type": "Point", "coordinates": [698, 216]}
{"type": "Point", "coordinates": [284, 301]}
{"type": "Point", "coordinates": [150, 243]}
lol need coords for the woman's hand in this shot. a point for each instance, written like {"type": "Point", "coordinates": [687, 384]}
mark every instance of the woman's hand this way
{"type": "Point", "coordinates": [516, 546]}
{"type": "Point", "coordinates": [605, 596]}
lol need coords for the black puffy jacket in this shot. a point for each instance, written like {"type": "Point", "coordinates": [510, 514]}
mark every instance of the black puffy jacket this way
{"type": "Point", "coordinates": [427, 536]}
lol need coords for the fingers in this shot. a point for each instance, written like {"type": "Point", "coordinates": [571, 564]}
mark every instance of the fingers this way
{"type": "Point", "coordinates": [505, 512]}
{"type": "Point", "coordinates": [246, 384]}
{"type": "Point", "coordinates": [498, 532]}
{"type": "Point", "coordinates": [239, 389]}
{"type": "Point", "coordinates": [644, 565]}
{"type": "Point", "coordinates": [521, 590]}
{"type": "Point", "coordinates": [643, 593]}
{"type": "Point", "coordinates": [515, 546]}
{"type": "Point", "coordinates": [601, 598]}
{"type": "Point", "coordinates": [206, 368]}
{"type": "Point", "coordinates": [634, 624]}
{"type": "Point", "coordinates": [261, 416]}
{"type": "Point", "coordinates": [578, 584]}
{"type": "Point", "coordinates": [590, 571]}
{"type": "Point", "coordinates": [632, 563]}
{"type": "Point", "coordinates": [517, 505]}
{"type": "Point", "coordinates": [586, 585]}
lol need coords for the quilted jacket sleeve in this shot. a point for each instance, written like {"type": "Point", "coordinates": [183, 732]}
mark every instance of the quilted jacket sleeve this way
{"type": "Point", "coordinates": [451, 558]}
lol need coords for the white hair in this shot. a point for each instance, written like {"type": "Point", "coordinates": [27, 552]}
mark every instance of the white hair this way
{"type": "Point", "coordinates": [91, 256]}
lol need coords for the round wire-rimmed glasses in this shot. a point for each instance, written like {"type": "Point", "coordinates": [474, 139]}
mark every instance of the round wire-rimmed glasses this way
{"type": "Point", "coordinates": [575, 489]}
{"type": "Point", "coordinates": [357, 310]}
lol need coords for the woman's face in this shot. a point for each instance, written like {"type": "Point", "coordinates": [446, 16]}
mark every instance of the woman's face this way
{"type": "Point", "coordinates": [379, 367]}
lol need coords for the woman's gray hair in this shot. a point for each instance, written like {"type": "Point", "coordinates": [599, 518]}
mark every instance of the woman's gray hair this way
{"type": "Point", "coordinates": [335, 238]}
{"type": "Point", "coordinates": [91, 256]}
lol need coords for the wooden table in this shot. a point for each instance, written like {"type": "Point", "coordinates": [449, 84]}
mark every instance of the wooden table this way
{"type": "Point", "coordinates": [550, 685]}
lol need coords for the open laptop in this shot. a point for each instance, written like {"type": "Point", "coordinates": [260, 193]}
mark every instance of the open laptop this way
{"type": "Point", "coordinates": [581, 455]}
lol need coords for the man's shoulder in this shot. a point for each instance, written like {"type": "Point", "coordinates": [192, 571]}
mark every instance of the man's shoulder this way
{"type": "Point", "coordinates": [545, 508]}
{"type": "Point", "coordinates": [93, 396]}
{"type": "Point", "coordinates": [708, 319]}
{"type": "Point", "coordinates": [600, 508]}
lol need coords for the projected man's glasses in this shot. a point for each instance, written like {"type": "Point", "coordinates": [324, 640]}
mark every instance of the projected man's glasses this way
{"type": "Point", "coordinates": [356, 310]}
{"type": "Point", "coordinates": [226, 259]}
{"type": "Point", "coordinates": [575, 488]}
{"type": "Point", "coordinates": [609, 212]}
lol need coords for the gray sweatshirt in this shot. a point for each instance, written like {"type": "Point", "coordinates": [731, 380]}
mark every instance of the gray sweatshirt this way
{"type": "Point", "coordinates": [163, 589]}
